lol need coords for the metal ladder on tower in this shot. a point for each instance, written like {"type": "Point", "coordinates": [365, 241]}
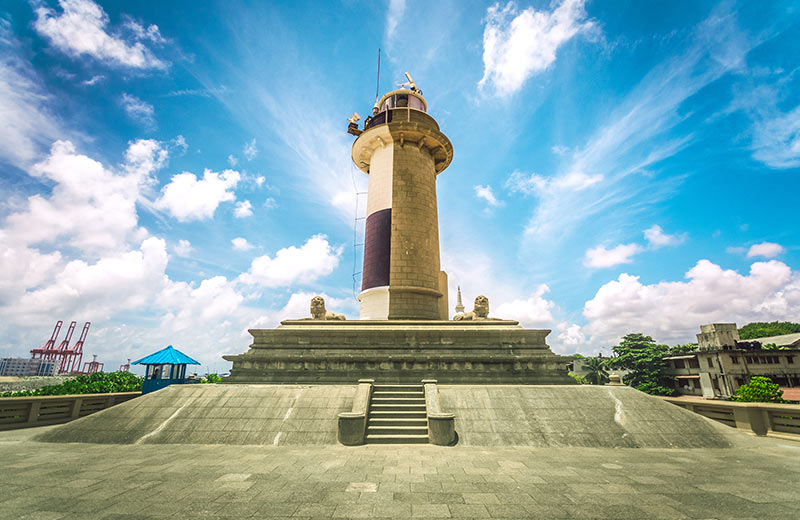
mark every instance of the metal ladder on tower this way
{"type": "Point", "coordinates": [397, 415]}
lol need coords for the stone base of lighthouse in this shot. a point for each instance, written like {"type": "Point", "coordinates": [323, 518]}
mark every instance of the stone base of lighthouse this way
{"type": "Point", "coordinates": [399, 351]}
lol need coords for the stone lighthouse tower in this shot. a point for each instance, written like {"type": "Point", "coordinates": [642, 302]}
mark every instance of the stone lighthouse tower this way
{"type": "Point", "coordinates": [402, 150]}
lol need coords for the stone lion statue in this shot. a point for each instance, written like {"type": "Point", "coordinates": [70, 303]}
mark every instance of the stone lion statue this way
{"type": "Point", "coordinates": [480, 312]}
{"type": "Point", "coordinates": [319, 312]}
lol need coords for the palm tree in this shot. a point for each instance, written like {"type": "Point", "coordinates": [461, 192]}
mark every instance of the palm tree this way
{"type": "Point", "coordinates": [595, 369]}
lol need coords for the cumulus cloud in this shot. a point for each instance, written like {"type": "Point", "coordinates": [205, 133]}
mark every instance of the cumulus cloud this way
{"type": "Point", "coordinates": [82, 28]}
{"type": "Point", "coordinates": [765, 249]}
{"type": "Point", "coordinates": [188, 198]}
{"type": "Point", "coordinates": [241, 244]}
{"type": "Point", "coordinates": [232, 160]}
{"type": "Point", "coordinates": [518, 44]}
{"type": "Point", "coordinates": [533, 312]}
{"type": "Point", "coordinates": [673, 311]}
{"type": "Point", "coordinates": [250, 150]}
{"type": "Point", "coordinates": [657, 238]}
{"type": "Point", "coordinates": [311, 261]}
{"type": "Point", "coordinates": [601, 257]}
{"type": "Point", "coordinates": [90, 207]}
{"type": "Point", "coordinates": [485, 193]}
{"type": "Point", "coordinates": [140, 111]}
{"type": "Point", "coordinates": [180, 144]}
{"type": "Point", "coordinates": [183, 248]}
{"type": "Point", "coordinates": [570, 336]}
{"type": "Point", "coordinates": [243, 209]}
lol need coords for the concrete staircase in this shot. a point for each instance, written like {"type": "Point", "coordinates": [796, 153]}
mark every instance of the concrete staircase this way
{"type": "Point", "coordinates": [397, 415]}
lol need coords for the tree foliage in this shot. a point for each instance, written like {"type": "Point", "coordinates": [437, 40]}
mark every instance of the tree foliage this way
{"type": "Point", "coordinates": [578, 379]}
{"type": "Point", "coordinates": [759, 390]}
{"type": "Point", "coordinates": [595, 368]}
{"type": "Point", "coordinates": [97, 383]}
{"type": "Point", "coordinates": [643, 358]}
{"type": "Point", "coordinates": [761, 329]}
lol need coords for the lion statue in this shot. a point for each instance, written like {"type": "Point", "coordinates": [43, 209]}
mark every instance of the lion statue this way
{"type": "Point", "coordinates": [480, 312]}
{"type": "Point", "coordinates": [319, 312]}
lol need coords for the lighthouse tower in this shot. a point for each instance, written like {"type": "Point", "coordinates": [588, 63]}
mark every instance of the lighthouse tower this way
{"type": "Point", "coordinates": [402, 150]}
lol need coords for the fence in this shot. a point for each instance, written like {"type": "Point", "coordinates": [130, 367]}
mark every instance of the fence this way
{"type": "Point", "coordinates": [26, 412]}
{"type": "Point", "coordinates": [774, 420]}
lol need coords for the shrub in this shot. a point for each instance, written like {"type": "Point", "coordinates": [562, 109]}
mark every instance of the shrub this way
{"type": "Point", "coordinates": [97, 383]}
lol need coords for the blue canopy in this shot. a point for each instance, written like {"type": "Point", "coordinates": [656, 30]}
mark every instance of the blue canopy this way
{"type": "Point", "coordinates": [166, 355]}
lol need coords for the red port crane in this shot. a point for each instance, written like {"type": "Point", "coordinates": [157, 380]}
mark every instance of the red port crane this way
{"type": "Point", "coordinates": [72, 357]}
{"type": "Point", "coordinates": [90, 367]}
{"type": "Point", "coordinates": [47, 350]}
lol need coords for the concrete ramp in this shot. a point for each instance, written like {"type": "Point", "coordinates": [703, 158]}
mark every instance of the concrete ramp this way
{"type": "Point", "coordinates": [217, 414]}
{"type": "Point", "coordinates": [577, 416]}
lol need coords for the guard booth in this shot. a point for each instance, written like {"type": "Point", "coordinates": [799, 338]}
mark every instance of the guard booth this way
{"type": "Point", "coordinates": [165, 367]}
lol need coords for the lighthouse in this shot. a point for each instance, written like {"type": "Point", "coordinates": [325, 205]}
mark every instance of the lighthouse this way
{"type": "Point", "coordinates": [402, 150]}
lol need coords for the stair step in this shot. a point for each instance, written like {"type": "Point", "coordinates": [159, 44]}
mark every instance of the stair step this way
{"type": "Point", "coordinates": [399, 394]}
{"type": "Point", "coordinates": [398, 407]}
{"type": "Point", "coordinates": [397, 439]}
{"type": "Point", "coordinates": [399, 400]}
{"type": "Point", "coordinates": [391, 414]}
{"type": "Point", "coordinates": [398, 421]}
{"type": "Point", "coordinates": [396, 386]}
{"type": "Point", "coordinates": [397, 430]}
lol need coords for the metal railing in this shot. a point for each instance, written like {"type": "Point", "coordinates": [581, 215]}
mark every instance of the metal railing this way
{"type": "Point", "coordinates": [408, 115]}
{"type": "Point", "coordinates": [27, 412]}
{"type": "Point", "coordinates": [775, 420]}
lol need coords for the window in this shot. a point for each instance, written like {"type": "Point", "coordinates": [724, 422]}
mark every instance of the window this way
{"type": "Point", "coordinates": [734, 360]}
{"type": "Point", "coordinates": [790, 360]}
{"type": "Point", "coordinates": [694, 363]}
{"type": "Point", "coordinates": [710, 363]}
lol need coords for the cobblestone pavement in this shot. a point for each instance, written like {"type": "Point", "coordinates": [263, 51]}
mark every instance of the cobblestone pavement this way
{"type": "Point", "coordinates": [70, 481]}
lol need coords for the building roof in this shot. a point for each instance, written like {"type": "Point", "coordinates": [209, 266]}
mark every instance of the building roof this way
{"type": "Point", "coordinates": [783, 340]}
{"type": "Point", "coordinates": [166, 355]}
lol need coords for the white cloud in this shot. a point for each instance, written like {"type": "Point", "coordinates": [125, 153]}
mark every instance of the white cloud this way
{"type": "Point", "coordinates": [243, 209]}
{"type": "Point", "coordinates": [539, 185]}
{"type": "Point", "coordinates": [241, 244]}
{"type": "Point", "coordinates": [559, 150]}
{"type": "Point", "coordinates": [183, 248]}
{"type": "Point", "coordinates": [601, 257]}
{"type": "Point", "coordinates": [94, 80]}
{"type": "Point", "coordinates": [765, 249]}
{"type": "Point", "coordinates": [393, 16]}
{"type": "Point", "coordinates": [260, 180]}
{"type": "Point", "coordinates": [657, 238]}
{"type": "Point", "coordinates": [570, 336]}
{"type": "Point", "coordinates": [532, 312]}
{"type": "Point", "coordinates": [187, 198]}
{"type": "Point", "coordinates": [307, 263]}
{"type": "Point", "coordinates": [90, 207]}
{"type": "Point", "coordinates": [250, 150]}
{"type": "Point", "coordinates": [270, 203]}
{"type": "Point", "coordinates": [232, 160]}
{"type": "Point", "coordinates": [82, 28]}
{"type": "Point", "coordinates": [138, 110]}
{"type": "Point", "coordinates": [673, 311]}
{"type": "Point", "coordinates": [180, 143]}
{"type": "Point", "coordinates": [485, 193]}
{"type": "Point", "coordinates": [517, 44]}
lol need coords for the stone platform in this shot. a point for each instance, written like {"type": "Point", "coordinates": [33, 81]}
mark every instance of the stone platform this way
{"type": "Point", "coordinates": [399, 351]}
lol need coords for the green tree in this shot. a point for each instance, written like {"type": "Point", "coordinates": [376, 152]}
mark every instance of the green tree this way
{"type": "Point", "coordinates": [761, 329]}
{"type": "Point", "coordinates": [759, 390]}
{"type": "Point", "coordinates": [595, 368]}
{"type": "Point", "coordinates": [643, 358]}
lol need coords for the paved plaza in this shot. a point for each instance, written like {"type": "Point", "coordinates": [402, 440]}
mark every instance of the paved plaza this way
{"type": "Point", "coordinates": [759, 478]}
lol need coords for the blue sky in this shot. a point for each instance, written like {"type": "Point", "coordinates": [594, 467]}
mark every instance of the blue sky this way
{"type": "Point", "coordinates": [178, 175]}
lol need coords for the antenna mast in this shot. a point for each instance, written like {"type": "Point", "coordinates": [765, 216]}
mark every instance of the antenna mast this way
{"type": "Point", "coordinates": [378, 82]}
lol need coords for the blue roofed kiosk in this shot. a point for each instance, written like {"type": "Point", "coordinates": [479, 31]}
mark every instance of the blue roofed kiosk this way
{"type": "Point", "coordinates": [165, 367]}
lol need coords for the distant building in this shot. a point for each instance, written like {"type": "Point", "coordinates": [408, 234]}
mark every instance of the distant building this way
{"type": "Point", "coordinates": [27, 367]}
{"type": "Point", "coordinates": [577, 367]}
{"type": "Point", "coordinates": [723, 362]}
